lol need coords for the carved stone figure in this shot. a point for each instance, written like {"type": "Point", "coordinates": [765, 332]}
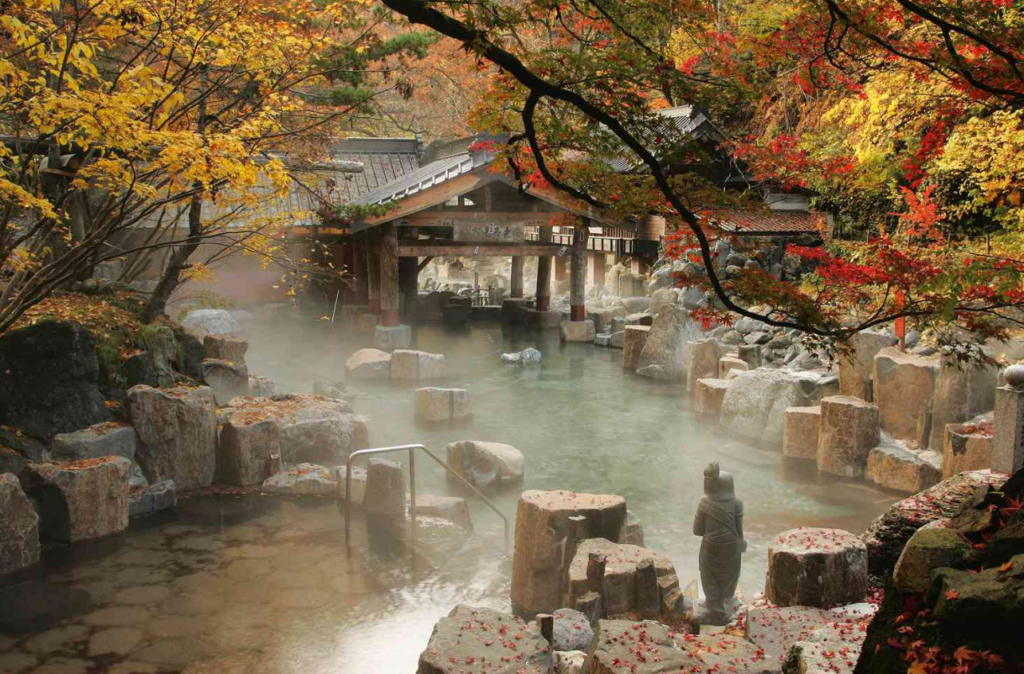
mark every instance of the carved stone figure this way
{"type": "Point", "coordinates": [719, 521]}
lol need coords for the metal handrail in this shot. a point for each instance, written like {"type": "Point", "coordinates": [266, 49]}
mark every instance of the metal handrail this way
{"type": "Point", "coordinates": [412, 484]}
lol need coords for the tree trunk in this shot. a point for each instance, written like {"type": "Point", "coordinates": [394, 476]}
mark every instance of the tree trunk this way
{"type": "Point", "coordinates": [157, 302]}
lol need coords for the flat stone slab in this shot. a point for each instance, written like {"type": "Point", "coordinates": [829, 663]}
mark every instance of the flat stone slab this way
{"type": "Point", "coordinates": [107, 439]}
{"type": "Point", "coordinates": [902, 470]}
{"type": "Point", "coordinates": [305, 479]}
{"type": "Point", "coordinates": [448, 508]}
{"type": "Point", "coordinates": [484, 641]}
{"type": "Point", "coordinates": [650, 647]}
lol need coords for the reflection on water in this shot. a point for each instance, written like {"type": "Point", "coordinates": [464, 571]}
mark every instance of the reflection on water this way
{"type": "Point", "coordinates": [256, 584]}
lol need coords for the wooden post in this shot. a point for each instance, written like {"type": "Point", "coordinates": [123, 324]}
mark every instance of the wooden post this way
{"type": "Point", "coordinates": [544, 272]}
{"type": "Point", "coordinates": [408, 282]}
{"type": "Point", "coordinates": [600, 267]}
{"type": "Point", "coordinates": [578, 280]}
{"type": "Point", "coordinates": [373, 273]}
{"type": "Point", "coordinates": [361, 292]}
{"type": "Point", "coordinates": [517, 276]}
{"type": "Point", "coordinates": [389, 315]}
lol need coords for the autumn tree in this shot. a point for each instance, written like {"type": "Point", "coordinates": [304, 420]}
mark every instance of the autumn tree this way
{"type": "Point", "coordinates": [118, 115]}
{"type": "Point", "coordinates": [808, 92]}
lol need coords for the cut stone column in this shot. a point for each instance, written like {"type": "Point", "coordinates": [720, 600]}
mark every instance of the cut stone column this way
{"type": "Point", "coordinates": [19, 527]}
{"type": "Point", "coordinates": [549, 527]}
{"type": "Point", "coordinates": [442, 404]}
{"type": "Point", "coordinates": [633, 342]}
{"type": "Point", "coordinates": [816, 567]}
{"type": "Point", "coordinates": [708, 397]}
{"type": "Point", "coordinates": [904, 386]}
{"type": "Point", "coordinates": [966, 447]}
{"type": "Point", "coordinates": [385, 488]}
{"type": "Point", "coordinates": [800, 432]}
{"type": "Point", "coordinates": [702, 359]}
{"type": "Point", "coordinates": [856, 365]}
{"type": "Point", "coordinates": [177, 432]}
{"type": "Point", "coordinates": [416, 365]}
{"type": "Point", "coordinates": [512, 309]}
{"type": "Point", "coordinates": [391, 337]}
{"type": "Point", "coordinates": [960, 395]}
{"type": "Point", "coordinates": [577, 331]}
{"type": "Point", "coordinates": [227, 379]}
{"type": "Point", "coordinates": [250, 451]}
{"type": "Point", "coordinates": [1008, 439]}
{"type": "Point", "coordinates": [750, 354]}
{"type": "Point", "coordinates": [727, 363]}
{"type": "Point", "coordinates": [848, 432]}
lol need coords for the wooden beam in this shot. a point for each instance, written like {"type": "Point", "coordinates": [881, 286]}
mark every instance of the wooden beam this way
{"type": "Point", "coordinates": [413, 249]}
{"type": "Point", "coordinates": [449, 218]}
{"type": "Point", "coordinates": [423, 263]}
{"type": "Point", "coordinates": [389, 315]}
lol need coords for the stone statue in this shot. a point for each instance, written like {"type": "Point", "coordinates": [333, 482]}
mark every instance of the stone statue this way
{"type": "Point", "coordinates": [719, 521]}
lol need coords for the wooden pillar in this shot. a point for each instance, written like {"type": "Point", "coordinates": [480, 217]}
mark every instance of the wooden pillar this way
{"type": "Point", "coordinates": [361, 291]}
{"type": "Point", "coordinates": [544, 272]}
{"type": "Point", "coordinates": [373, 272]}
{"type": "Point", "coordinates": [517, 276]}
{"type": "Point", "coordinates": [578, 277]}
{"type": "Point", "coordinates": [389, 315]}
{"type": "Point", "coordinates": [600, 262]}
{"type": "Point", "coordinates": [408, 282]}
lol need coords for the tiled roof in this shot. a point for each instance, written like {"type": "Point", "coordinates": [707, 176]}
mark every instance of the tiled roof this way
{"type": "Point", "coordinates": [764, 221]}
{"type": "Point", "coordinates": [425, 177]}
{"type": "Point", "coordinates": [384, 161]}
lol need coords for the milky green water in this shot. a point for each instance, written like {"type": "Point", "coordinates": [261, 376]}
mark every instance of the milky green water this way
{"type": "Point", "coordinates": [258, 584]}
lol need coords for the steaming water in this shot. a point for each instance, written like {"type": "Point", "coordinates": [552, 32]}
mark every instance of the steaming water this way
{"type": "Point", "coordinates": [254, 584]}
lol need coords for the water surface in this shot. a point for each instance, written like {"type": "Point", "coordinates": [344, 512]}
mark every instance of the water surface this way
{"type": "Point", "coordinates": [259, 584]}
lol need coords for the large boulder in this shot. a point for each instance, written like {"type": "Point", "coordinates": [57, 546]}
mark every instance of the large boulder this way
{"type": "Point", "coordinates": [904, 386]}
{"type": "Point", "coordinates": [888, 534]}
{"type": "Point", "coordinates": [620, 586]}
{"type": "Point", "coordinates": [971, 600]}
{"type": "Point", "coordinates": [226, 379]}
{"type": "Point", "coordinates": [177, 433]}
{"type": "Point", "coordinates": [106, 439]}
{"type": "Point", "coordinates": [313, 429]}
{"type": "Point", "coordinates": [961, 393]}
{"type": "Point", "coordinates": [51, 379]}
{"type": "Point", "coordinates": [816, 567]}
{"type": "Point", "coordinates": [528, 356]}
{"type": "Point", "coordinates": [226, 347]}
{"type": "Point", "coordinates": [416, 365]}
{"type": "Point", "coordinates": [666, 343]}
{"type": "Point", "coordinates": [754, 407]}
{"type": "Point", "coordinates": [250, 450]}
{"type": "Point", "coordinates": [474, 640]}
{"type": "Point", "coordinates": [856, 363]}
{"type": "Point", "coordinates": [485, 463]}
{"type": "Point", "coordinates": [81, 500]}
{"type": "Point", "coordinates": [368, 364]}
{"type": "Point", "coordinates": [19, 527]}
{"type": "Point", "coordinates": [899, 469]}
{"type": "Point", "coordinates": [847, 433]}
{"type": "Point", "coordinates": [204, 322]}
{"type": "Point", "coordinates": [931, 547]}
{"type": "Point", "coordinates": [549, 526]}
{"type": "Point", "coordinates": [572, 631]}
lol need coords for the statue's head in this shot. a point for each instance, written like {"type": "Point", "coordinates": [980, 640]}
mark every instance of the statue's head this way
{"type": "Point", "coordinates": [718, 484]}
